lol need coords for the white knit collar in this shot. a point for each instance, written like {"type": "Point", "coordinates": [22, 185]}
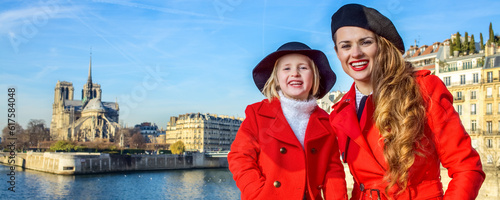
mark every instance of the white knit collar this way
{"type": "Point", "coordinates": [297, 106]}
{"type": "Point", "coordinates": [297, 114]}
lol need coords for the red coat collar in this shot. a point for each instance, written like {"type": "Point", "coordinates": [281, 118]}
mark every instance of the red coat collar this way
{"type": "Point", "coordinates": [344, 119]}
{"type": "Point", "coordinates": [280, 129]}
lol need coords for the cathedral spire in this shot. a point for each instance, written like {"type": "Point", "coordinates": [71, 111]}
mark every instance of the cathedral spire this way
{"type": "Point", "coordinates": [89, 80]}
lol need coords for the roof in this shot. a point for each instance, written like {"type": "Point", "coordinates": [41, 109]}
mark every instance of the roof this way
{"type": "Point", "coordinates": [94, 104]}
{"type": "Point", "coordinates": [495, 59]}
{"type": "Point", "coordinates": [465, 57]}
{"type": "Point", "coordinates": [77, 104]}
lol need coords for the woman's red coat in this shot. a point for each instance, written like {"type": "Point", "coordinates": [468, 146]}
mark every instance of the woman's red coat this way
{"type": "Point", "coordinates": [446, 142]}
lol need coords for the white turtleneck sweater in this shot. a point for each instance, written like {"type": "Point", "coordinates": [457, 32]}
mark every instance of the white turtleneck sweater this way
{"type": "Point", "coordinates": [297, 114]}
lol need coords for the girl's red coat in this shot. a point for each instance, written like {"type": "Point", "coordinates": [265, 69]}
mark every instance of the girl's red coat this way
{"type": "Point", "coordinates": [268, 161]}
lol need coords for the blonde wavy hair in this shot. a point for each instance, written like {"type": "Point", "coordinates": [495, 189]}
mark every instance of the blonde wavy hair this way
{"type": "Point", "coordinates": [271, 88]}
{"type": "Point", "coordinates": [399, 112]}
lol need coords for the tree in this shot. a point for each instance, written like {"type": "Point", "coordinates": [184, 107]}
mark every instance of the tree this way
{"type": "Point", "coordinates": [457, 44]}
{"type": "Point", "coordinates": [37, 132]}
{"type": "Point", "coordinates": [465, 45]}
{"type": "Point", "coordinates": [127, 134]}
{"type": "Point", "coordinates": [137, 140]}
{"type": "Point", "coordinates": [178, 147]}
{"type": "Point", "coordinates": [472, 45]}
{"type": "Point", "coordinates": [63, 145]}
{"type": "Point", "coordinates": [6, 133]}
{"type": "Point", "coordinates": [492, 35]}
{"type": "Point", "coordinates": [481, 43]}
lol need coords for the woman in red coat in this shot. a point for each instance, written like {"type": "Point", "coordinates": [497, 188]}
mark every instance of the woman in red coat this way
{"type": "Point", "coordinates": [285, 148]}
{"type": "Point", "coordinates": [395, 127]}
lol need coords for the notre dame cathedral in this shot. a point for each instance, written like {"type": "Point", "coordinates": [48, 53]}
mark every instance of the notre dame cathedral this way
{"type": "Point", "coordinates": [82, 120]}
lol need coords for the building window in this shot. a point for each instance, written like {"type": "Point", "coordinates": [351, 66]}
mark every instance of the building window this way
{"type": "Point", "coordinates": [489, 143]}
{"type": "Point", "coordinates": [459, 95]}
{"type": "Point", "coordinates": [499, 126]}
{"type": "Point", "coordinates": [489, 77]}
{"type": "Point", "coordinates": [473, 109]}
{"type": "Point", "coordinates": [475, 78]}
{"type": "Point", "coordinates": [489, 159]}
{"type": "Point", "coordinates": [473, 125]}
{"type": "Point", "coordinates": [492, 62]}
{"type": "Point", "coordinates": [489, 109]}
{"type": "Point", "coordinates": [462, 79]}
{"type": "Point", "coordinates": [489, 127]}
{"type": "Point", "coordinates": [473, 94]}
{"type": "Point", "coordinates": [489, 92]}
{"type": "Point", "coordinates": [447, 81]}
{"type": "Point", "coordinates": [459, 109]}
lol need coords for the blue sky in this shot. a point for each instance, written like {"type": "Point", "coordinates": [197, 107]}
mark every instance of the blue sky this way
{"type": "Point", "coordinates": [165, 58]}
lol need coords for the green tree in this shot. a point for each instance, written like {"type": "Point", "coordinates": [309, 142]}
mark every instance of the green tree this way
{"type": "Point", "coordinates": [63, 145]}
{"type": "Point", "coordinates": [465, 45]}
{"type": "Point", "coordinates": [481, 42]}
{"type": "Point", "coordinates": [178, 147]}
{"type": "Point", "coordinates": [472, 45]}
{"type": "Point", "coordinates": [457, 43]}
{"type": "Point", "coordinates": [492, 35]}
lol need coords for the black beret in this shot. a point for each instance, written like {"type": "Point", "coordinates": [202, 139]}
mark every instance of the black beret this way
{"type": "Point", "coordinates": [368, 18]}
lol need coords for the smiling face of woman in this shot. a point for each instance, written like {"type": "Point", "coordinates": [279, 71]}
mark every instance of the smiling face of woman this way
{"type": "Point", "coordinates": [356, 49]}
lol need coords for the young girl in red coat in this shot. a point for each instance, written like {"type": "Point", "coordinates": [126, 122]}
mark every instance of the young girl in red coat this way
{"type": "Point", "coordinates": [395, 127]}
{"type": "Point", "coordinates": [285, 148]}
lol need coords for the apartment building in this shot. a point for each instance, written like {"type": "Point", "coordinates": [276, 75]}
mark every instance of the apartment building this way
{"type": "Point", "coordinates": [203, 132]}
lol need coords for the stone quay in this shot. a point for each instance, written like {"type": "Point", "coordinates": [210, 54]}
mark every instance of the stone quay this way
{"type": "Point", "coordinates": [92, 163]}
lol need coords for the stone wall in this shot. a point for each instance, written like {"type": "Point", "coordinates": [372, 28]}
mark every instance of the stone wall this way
{"type": "Point", "coordinates": [90, 163]}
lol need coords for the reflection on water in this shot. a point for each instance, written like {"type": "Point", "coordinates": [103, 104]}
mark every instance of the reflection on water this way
{"type": "Point", "coordinates": [172, 184]}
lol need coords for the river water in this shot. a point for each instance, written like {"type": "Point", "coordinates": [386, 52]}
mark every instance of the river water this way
{"type": "Point", "coordinates": [169, 184]}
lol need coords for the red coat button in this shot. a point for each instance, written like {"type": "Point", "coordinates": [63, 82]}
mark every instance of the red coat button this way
{"type": "Point", "coordinates": [277, 184]}
{"type": "Point", "coordinates": [283, 150]}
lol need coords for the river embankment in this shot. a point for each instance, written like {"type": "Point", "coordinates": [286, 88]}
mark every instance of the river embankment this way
{"type": "Point", "coordinates": [92, 163]}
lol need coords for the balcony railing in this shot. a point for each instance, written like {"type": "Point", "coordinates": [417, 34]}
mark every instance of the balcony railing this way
{"type": "Point", "coordinates": [459, 83]}
{"type": "Point", "coordinates": [454, 69]}
{"type": "Point", "coordinates": [489, 113]}
{"type": "Point", "coordinates": [459, 99]}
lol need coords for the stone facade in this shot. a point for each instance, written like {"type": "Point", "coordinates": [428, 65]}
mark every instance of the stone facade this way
{"type": "Point", "coordinates": [82, 120]}
{"type": "Point", "coordinates": [329, 99]}
{"type": "Point", "coordinates": [203, 132]}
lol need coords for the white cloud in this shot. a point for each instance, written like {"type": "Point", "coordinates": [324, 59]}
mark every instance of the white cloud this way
{"type": "Point", "coordinates": [23, 19]}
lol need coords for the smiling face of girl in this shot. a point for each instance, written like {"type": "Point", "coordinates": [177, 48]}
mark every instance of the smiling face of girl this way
{"type": "Point", "coordinates": [356, 49]}
{"type": "Point", "coordinates": [295, 76]}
